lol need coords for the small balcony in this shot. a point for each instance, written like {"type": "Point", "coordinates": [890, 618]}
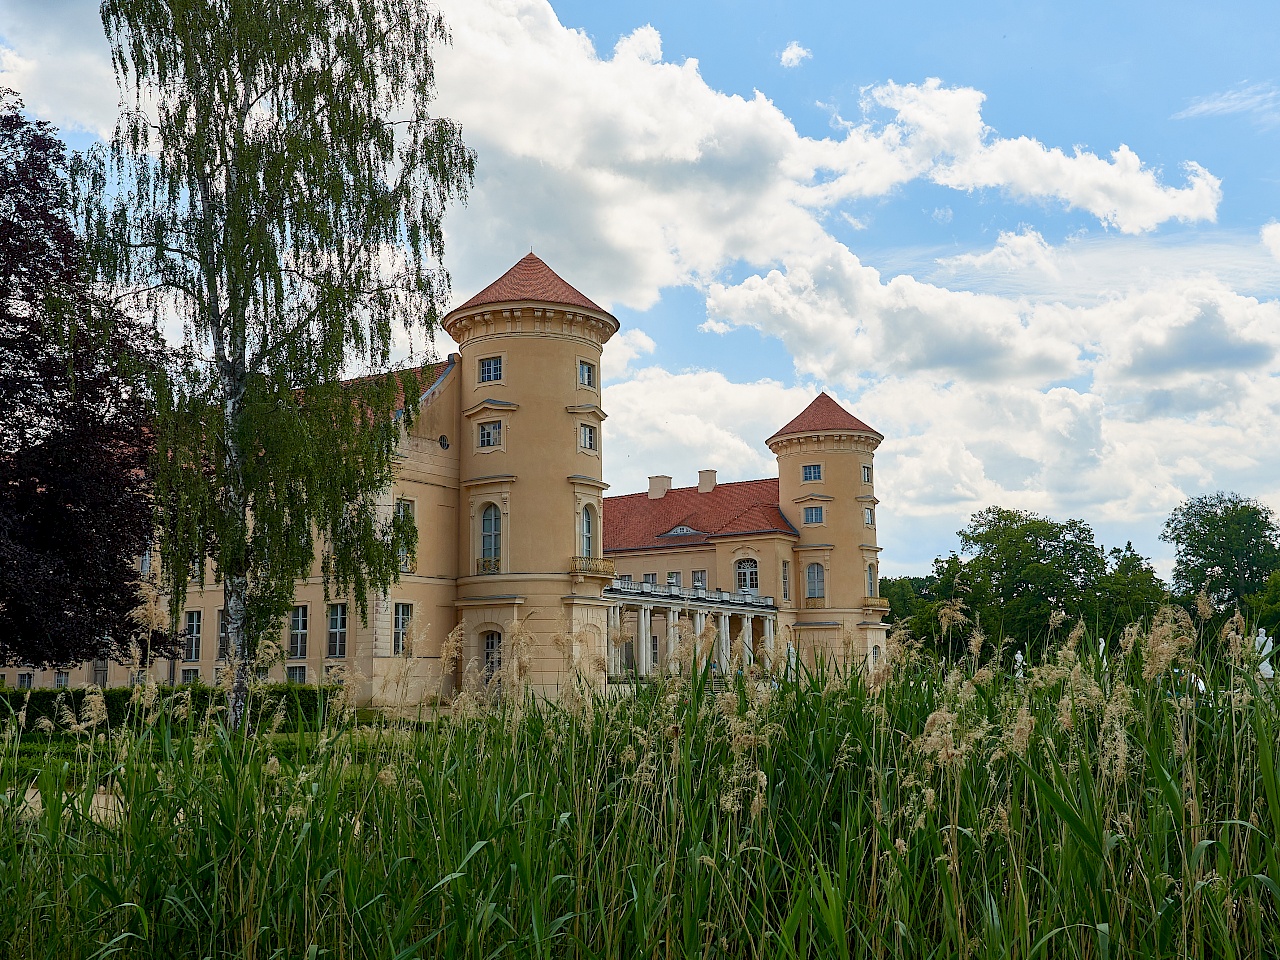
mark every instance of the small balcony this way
{"type": "Point", "coordinates": [592, 566]}
{"type": "Point", "coordinates": [875, 603]}
{"type": "Point", "coordinates": [488, 565]}
{"type": "Point", "coordinates": [815, 603]}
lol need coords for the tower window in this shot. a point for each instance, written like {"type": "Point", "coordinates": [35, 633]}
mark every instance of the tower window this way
{"type": "Point", "coordinates": [491, 434]}
{"type": "Point", "coordinates": [337, 629]}
{"type": "Point", "coordinates": [815, 582]}
{"type": "Point", "coordinates": [490, 369]}
{"type": "Point", "coordinates": [870, 514]}
{"type": "Point", "coordinates": [588, 437]}
{"type": "Point", "coordinates": [866, 473]}
{"type": "Point", "coordinates": [812, 514]}
{"type": "Point", "coordinates": [871, 579]}
{"type": "Point", "coordinates": [812, 471]}
{"type": "Point", "coordinates": [747, 575]}
{"type": "Point", "coordinates": [586, 373]}
{"type": "Point", "coordinates": [588, 533]}
{"type": "Point", "coordinates": [490, 539]}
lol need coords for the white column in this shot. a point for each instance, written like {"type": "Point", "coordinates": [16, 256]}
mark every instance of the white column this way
{"type": "Point", "coordinates": [723, 653]}
{"type": "Point", "coordinates": [748, 655]}
{"type": "Point", "coordinates": [699, 622]}
{"type": "Point", "coordinates": [615, 633]}
{"type": "Point", "coordinates": [673, 634]}
{"type": "Point", "coordinates": [644, 631]}
{"type": "Point", "coordinates": [768, 640]}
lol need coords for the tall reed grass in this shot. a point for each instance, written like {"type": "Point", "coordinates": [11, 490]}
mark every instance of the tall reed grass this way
{"type": "Point", "coordinates": [1094, 807]}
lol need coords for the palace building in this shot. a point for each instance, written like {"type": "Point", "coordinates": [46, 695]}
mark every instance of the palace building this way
{"type": "Point", "coordinates": [502, 471]}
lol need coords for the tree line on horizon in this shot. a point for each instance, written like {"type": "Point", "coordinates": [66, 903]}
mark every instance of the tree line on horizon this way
{"type": "Point", "coordinates": [1018, 575]}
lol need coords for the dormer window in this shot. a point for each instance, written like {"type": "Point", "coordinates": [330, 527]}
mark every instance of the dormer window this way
{"type": "Point", "coordinates": [682, 530]}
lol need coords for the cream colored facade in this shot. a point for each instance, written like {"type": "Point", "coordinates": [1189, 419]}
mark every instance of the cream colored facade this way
{"type": "Point", "coordinates": [502, 471]}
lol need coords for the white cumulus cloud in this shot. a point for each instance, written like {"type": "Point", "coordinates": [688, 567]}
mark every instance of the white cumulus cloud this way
{"type": "Point", "coordinates": [1271, 238]}
{"type": "Point", "coordinates": [794, 55]}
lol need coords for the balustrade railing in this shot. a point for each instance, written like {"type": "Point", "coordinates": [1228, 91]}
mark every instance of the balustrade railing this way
{"type": "Point", "coordinates": [875, 603]}
{"type": "Point", "coordinates": [598, 566]}
{"type": "Point", "coordinates": [815, 603]}
{"type": "Point", "coordinates": [488, 565]}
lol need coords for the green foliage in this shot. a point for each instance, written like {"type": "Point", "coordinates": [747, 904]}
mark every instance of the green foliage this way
{"type": "Point", "coordinates": [1227, 545]}
{"type": "Point", "coordinates": [1129, 591]}
{"type": "Point", "coordinates": [1091, 809]}
{"type": "Point", "coordinates": [278, 182]}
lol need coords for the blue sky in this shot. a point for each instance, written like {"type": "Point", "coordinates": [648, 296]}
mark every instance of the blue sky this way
{"type": "Point", "coordinates": [1034, 244]}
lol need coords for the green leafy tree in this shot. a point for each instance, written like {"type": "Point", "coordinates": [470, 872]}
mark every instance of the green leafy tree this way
{"type": "Point", "coordinates": [1226, 544]}
{"type": "Point", "coordinates": [1128, 592]}
{"type": "Point", "coordinates": [278, 182]}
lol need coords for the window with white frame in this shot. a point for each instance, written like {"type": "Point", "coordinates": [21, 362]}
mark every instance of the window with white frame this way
{"type": "Point", "coordinates": [191, 646]}
{"type": "Point", "coordinates": [812, 471]}
{"type": "Point", "coordinates": [587, 436]}
{"type": "Point", "coordinates": [189, 675]}
{"type": "Point", "coordinates": [651, 578]}
{"type": "Point", "coordinates": [298, 632]}
{"type": "Point", "coordinates": [490, 369]}
{"type": "Point", "coordinates": [871, 579]}
{"type": "Point", "coordinates": [653, 649]}
{"type": "Point", "coordinates": [699, 579]}
{"type": "Point", "coordinates": [875, 655]}
{"type": "Point", "coordinates": [144, 562]}
{"type": "Point", "coordinates": [25, 680]}
{"type": "Point", "coordinates": [747, 575]}
{"type": "Point", "coordinates": [866, 473]}
{"type": "Point", "coordinates": [586, 373]}
{"type": "Point", "coordinates": [870, 514]}
{"type": "Point", "coordinates": [337, 629]}
{"type": "Point", "coordinates": [491, 434]}
{"type": "Point", "coordinates": [812, 514]}
{"type": "Point", "coordinates": [400, 627]}
{"type": "Point", "coordinates": [491, 536]}
{"type": "Point", "coordinates": [61, 679]}
{"type": "Point", "coordinates": [404, 512]}
{"type": "Point", "coordinates": [296, 674]}
{"type": "Point", "coordinates": [786, 579]}
{"type": "Point", "coordinates": [815, 581]}
{"type": "Point", "coordinates": [588, 533]}
{"type": "Point", "coordinates": [492, 652]}
{"type": "Point", "coordinates": [673, 578]}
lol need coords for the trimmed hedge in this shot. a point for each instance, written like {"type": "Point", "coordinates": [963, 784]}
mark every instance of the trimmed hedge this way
{"type": "Point", "coordinates": [305, 706]}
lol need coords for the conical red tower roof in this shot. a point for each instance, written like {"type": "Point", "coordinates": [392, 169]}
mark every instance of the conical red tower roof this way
{"type": "Point", "coordinates": [823, 415]}
{"type": "Point", "coordinates": [530, 279]}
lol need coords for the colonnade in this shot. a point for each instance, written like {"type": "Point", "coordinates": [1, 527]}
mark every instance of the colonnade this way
{"type": "Point", "coordinates": [637, 643]}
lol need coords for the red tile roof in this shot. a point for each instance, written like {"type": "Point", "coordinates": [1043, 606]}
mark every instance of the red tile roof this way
{"type": "Point", "coordinates": [530, 279]}
{"type": "Point", "coordinates": [634, 522]}
{"type": "Point", "coordinates": [427, 375]}
{"type": "Point", "coordinates": [822, 415]}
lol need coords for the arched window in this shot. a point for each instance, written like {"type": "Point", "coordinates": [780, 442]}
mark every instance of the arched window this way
{"type": "Point", "coordinates": [748, 575]}
{"type": "Point", "coordinates": [875, 655]}
{"type": "Point", "coordinates": [587, 533]}
{"type": "Point", "coordinates": [492, 652]}
{"type": "Point", "coordinates": [871, 579]}
{"type": "Point", "coordinates": [491, 532]}
{"type": "Point", "coordinates": [815, 581]}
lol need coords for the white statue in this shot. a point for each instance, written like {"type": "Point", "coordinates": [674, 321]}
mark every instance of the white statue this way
{"type": "Point", "coordinates": [1019, 661]}
{"type": "Point", "coordinates": [1263, 646]}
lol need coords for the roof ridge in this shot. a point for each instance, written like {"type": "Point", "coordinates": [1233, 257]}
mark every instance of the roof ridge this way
{"type": "Point", "coordinates": [530, 279]}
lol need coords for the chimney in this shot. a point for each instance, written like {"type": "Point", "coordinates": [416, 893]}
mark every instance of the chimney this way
{"type": "Point", "coordinates": [658, 487]}
{"type": "Point", "coordinates": [706, 481]}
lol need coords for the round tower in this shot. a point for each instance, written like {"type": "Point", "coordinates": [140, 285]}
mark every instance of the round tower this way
{"type": "Point", "coordinates": [530, 471]}
{"type": "Point", "coordinates": [826, 489]}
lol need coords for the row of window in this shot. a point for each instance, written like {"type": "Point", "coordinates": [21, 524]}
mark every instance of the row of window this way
{"type": "Point", "coordinates": [491, 536]}
{"type": "Point", "coordinates": [299, 632]}
{"type": "Point", "coordinates": [811, 472]}
{"type": "Point", "coordinates": [747, 578]}
{"type": "Point", "coordinates": [489, 435]}
{"type": "Point", "coordinates": [491, 371]}
{"type": "Point", "coordinates": [814, 515]}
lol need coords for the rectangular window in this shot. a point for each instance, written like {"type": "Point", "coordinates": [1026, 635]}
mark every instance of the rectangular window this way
{"type": "Point", "coordinates": [490, 369]}
{"type": "Point", "coordinates": [813, 471]}
{"type": "Point", "coordinates": [624, 577]}
{"type": "Point", "coordinates": [298, 633]}
{"type": "Point", "coordinates": [297, 674]}
{"type": "Point", "coordinates": [24, 680]}
{"type": "Point", "coordinates": [404, 510]}
{"type": "Point", "coordinates": [651, 578]}
{"type": "Point", "coordinates": [866, 473]}
{"type": "Point", "coordinates": [812, 514]}
{"type": "Point", "coordinates": [786, 579]}
{"type": "Point", "coordinates": [870, 514]}
{"type": "Point", "coordinates": [586, 373]}
{"type": "Point", "coordinates": [673, 578]}
{"type": "Point", "coordinates": [189, 675]}
{"type": "Point", "coordinates": [491, 433]}
{"type": "Point", "coordinates": [224, 646]}
{"type": "Point", "coordinates": [587, 436]}
{"type": "Point", "coordinates": [700, 579]}
{"type": "Point", "coordinates": [191, 649]}
{"type": "Point", "coordinates": [653, 650]}
{"type": "Point", "coordinates": [61, 679]}
{"type": "Point", "coordinates": [337, 629]}
{"type": "Point", "coordinates": [400, 626]}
